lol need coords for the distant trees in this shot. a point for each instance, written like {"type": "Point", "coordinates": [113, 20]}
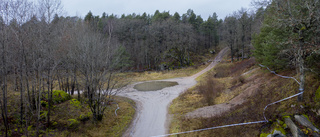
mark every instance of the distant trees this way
{"type": "Point", "coordinates": [237, 30]}
{"type": "Point", "coordinates": [230, 33]}
{"type": "Point", "coordinates": [162, 38]}
{"type": "Point", "coordinates": [209, 30]}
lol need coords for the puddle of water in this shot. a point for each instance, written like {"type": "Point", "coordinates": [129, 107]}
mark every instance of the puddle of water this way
{"type": "Point", "coordinates": [155, 85]}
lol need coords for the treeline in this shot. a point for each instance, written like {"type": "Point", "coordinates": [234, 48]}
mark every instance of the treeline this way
{"type": "Point", "coordinates": [160, 39]}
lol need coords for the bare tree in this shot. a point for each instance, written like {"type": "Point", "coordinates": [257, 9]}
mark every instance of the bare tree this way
{"type": "Point", "coordinates": [95, 57]}
{"type": "Point", "coordinates": [230, 24]}
{"type": "Point", "coordinates": [4, 41]}
{"type": "Point", "coordinates": [21, 11]}
{"type": "Point", "coordinates": [49, 8]}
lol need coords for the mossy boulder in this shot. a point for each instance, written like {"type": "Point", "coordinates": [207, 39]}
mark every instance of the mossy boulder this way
{"type": "Point", "coordinates": [264, 134]}
{"type": "Point", "coordinates": [73, 124]}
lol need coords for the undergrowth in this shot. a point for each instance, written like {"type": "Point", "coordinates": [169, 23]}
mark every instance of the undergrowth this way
{"type": "Point", "coordinates": [70, 117]}
{"type": "Point", "coordinates": [110, 125]}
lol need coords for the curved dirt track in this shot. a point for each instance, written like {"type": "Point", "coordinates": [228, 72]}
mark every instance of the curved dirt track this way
{"type": "Point", "coordinates": [152, 106]}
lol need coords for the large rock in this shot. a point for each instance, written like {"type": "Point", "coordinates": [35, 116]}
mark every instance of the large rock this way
{"type": "Point", "coordinates": [305, 122]}
{"type": "Point", "coordinates": [296, 132]}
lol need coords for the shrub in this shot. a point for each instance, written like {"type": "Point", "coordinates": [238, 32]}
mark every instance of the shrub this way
{"type": "Point", "coordinates": [43, 114]}
{"type": "Point", "coordinates": [222, 71]}
{"type": "Point", "coordinates": [237, 80]}
{"type": "Point", "coordinates": [317, 95]}
{"type": "Point", "coordinates": [210, 90]}
{"type": "Point", "coordinates": [58, 96]}
{"type": "Point", "coordinates": [44, 103]}
{"type": "Point", "coordinates": [73, 123]}
{"type": "Point", "coordinates": [75, 103]}
{"type": "Point", "coordinates": [84, 117]}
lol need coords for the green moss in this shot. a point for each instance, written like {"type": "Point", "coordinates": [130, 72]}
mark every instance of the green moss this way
{"type": "Point", "coordinates": [284, 117]}
{"type": "Point", "coordinates": [285, 125]}
{"type": "Point", "coordinates": [73, 123]}
{"type": "Point", "coordinates": [280, 122]}
{"type": "Point", "coordinates": [75, 103]}
{"type": "Point", "coordinates": [58, 96]}
{"type": "Point", "coordinates": [306, 117]}
{"type": "Point", "coordinates": [317, 95]}
{"type": "Point", "coordinates": [280, 129]}
{"type": "Point", "coordinates": [264, 134]}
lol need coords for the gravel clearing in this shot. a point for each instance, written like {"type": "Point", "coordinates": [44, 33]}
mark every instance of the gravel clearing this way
{"type": "Point", "coordinates": [151, 117]}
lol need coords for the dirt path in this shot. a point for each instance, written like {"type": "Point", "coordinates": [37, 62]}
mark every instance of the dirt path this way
{"type": "Point", "coordinates": [152, 106]}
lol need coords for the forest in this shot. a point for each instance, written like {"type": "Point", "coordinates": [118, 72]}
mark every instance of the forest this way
{"type": "Point", "coordinates": [43, 53]}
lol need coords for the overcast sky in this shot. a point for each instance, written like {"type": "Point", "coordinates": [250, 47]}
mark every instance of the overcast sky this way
{"type": "Point", "coordinates": [119, 7]}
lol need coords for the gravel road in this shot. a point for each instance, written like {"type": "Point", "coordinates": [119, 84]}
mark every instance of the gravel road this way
{"type": "Point", "coordinates": [152, 106]}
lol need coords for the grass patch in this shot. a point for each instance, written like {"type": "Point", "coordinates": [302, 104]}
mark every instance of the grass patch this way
{"type": "Point", "coordinates": [201, 63]}
{"type": "Point", "coordinates": [159, 75]}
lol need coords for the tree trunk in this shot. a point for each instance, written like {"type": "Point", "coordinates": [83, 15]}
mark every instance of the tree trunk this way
{"type": "Point", "coordinates": [301, 66]}
{"type": "Point", "coordinates": [3, 83]}
{"type": "Point", "coordinates": [73, 86]}
{"type": "Point", "coordinates": [231, 47]}
{"type": "Point", "coordinates": [67, 86]}
{"type": "Point", "coordinates": [49, 98]}
{"type": "Point", "coordinates": [243, 42]}
{"type": "Point", "coordinates": [39, 102]}
{"type": "Point", "coordinates": [21, 95]}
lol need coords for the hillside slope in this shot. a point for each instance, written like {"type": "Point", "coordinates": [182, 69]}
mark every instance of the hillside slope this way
{"type": "Point", "coordinates": [239, 92]}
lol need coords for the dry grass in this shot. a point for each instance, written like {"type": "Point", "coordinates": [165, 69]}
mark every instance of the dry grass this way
{"type": "Point", "coordinates": [186, 102]}
{"type": "Point", "coordinates": [158, 75]}
{"type": "Point", "coordinates": [201, 64]}
{"type": "Point", "coordinates": [240, 67]}
{"type": "Point", "coordinates": [210, 89]}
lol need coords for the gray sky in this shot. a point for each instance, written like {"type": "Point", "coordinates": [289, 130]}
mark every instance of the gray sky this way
{"type": "Point", "coordinates": [119, 7]}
